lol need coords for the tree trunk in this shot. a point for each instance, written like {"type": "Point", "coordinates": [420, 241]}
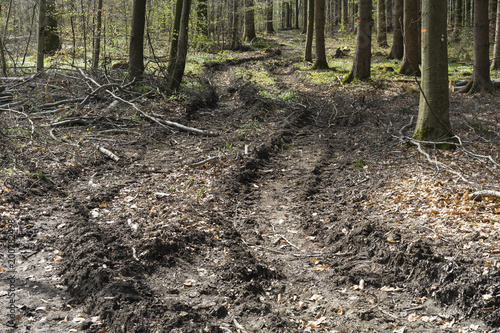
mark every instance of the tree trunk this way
{"type": "Point", "coordinates": [496, 49]}
{"type": "Point", "coordinates": [304, 17]}
{"type": "Point", "coordinates": [310, 32]}
{"type": "Point", "coordinates": [389, 9]}
{"type": "Point", "coordinates": [297, 11]}
{"type": "Point", "coordinates": [235, 41]}
{"type": "Point", "coordinates": [345, 14]}
{"type": "Point", "coordinates": [363, 56]}
{"type": "Point", "coordinates": [319, 17]}
{"type": "Point", "coordinates": [249, 21]}
{"type": "Point", "coordinates": [180, 61]}
{"type": "Point", "coordinates": [269, 17]}
{"type": "Point", "coordinates": [42, 13]}
{"type": "Point", "coordinates": [481, 81]}
{"type": "Point", "coordinates": [458, 18]}
{"type": "Point", "coordinates": [136, 49]}
{"type": "Point", "coordinates": [97, 41]}
{"type": "Point", "coordinates": [397, 49]}
{"type": "Point", "coordinates": [411, 57]}
{"type": "Point", "coordinates": [381, 24]}
{"type": "Point", "coordinates": [52, 42]}
{"type": "Point", "coordinates": [174, 41]}
{"type": "Point", "coordinates": [287, 16]}
{"type": "Point", "coordinates": [433, 122]}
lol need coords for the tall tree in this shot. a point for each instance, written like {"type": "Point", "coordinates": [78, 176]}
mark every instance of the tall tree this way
{"type": "Point", "coordinates": [136, 49]}
{"type": "Point", "coordinates": [269, 17]}
{"type": "Point", "coordinates": [174, 41]}
{"type": "Point", "coordinates": [310, 32]}
{"type": "Point", "coordinates": [411, 57]}
{"type": "Point", "coordinates": [319, 17]}
{"type": "Point", "coordinates": [304, 17]}
{"type": "Point", "coordinates": [397, 49]}
{"type": "Point", "coordinates": [97, 39]}
{"type": "Point", "coordinates": [381, 24]}
{"type": "Point", "coordinates": [249, 33]}
{"type": "Point", "coordinates": [40, 56]}
{"type": "Point", "coordinates": [362, 58]}
{"type": "Point", "coordinates": [297, 11]}
{"type": "Point", "coordinates": [481, 81]}
{"type": "Point", "coordinates": [182, 47]}
{"type": "Point", "coordinates": [433, 123]}
{"type": "Point", "coordinates": [389, 9]}
{"type": "Point", "coordinates": [496, 49]}
{"type": "Point", "coordinates": [458, 18]}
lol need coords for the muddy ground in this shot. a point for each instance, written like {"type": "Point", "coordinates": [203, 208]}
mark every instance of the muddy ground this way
{"type": "Point", "coordinates": [310, 213]}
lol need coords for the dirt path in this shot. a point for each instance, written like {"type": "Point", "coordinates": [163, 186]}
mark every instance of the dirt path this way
{"type": "Point", "coordinates": [299, 218]}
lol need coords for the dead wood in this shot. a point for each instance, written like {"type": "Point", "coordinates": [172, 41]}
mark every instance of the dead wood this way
{"type": "Point", "coordinates": [109, 154]}
{"type": "Point", "coordinates": [480, 195]}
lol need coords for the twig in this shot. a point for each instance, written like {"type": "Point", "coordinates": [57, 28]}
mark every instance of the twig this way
{"type": "Point", "coordinates": [78, 121]}
{"type": "Point", "coordinates": [109, 154]}
{"type": "Point", "coordinates": [479, 195]}
{"type": "Point", "coordinates": [64, 101]}
{"type": "Point", "coordinates": [204, 161]}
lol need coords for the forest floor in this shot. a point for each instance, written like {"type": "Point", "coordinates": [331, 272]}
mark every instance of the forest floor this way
{"type": "Point", "coordinates": [309, 211]}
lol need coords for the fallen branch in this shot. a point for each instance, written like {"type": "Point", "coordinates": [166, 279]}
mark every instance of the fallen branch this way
{"type": "Point", "coordinates": [479, 195]}
{"type": "Point", "coordinates": [77, 121]}
{"type": "Point", "coordinates": [109, 154]}
{"type": "Point", "coordinates": [64, 101]}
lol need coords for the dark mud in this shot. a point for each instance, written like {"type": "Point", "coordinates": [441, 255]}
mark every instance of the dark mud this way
{"type": "Point", "coordinates": [287, 226]}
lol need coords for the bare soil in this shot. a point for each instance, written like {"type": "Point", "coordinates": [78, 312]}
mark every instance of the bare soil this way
{"type": "Point", "coordinates": [306, 214]}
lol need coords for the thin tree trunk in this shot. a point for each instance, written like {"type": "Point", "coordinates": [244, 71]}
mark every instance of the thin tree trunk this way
{"type": "Point", "coordinates": [269, 17]}
{"type": "Point", "coordinates": [174, 41]}
{"type": "Point", "coordinates": [180, 63]}
{"type": "Point", "coordinates": [319, 17]}
{"type": "Point", "coordinates": [136, 49]}
{"type": "Point", "coordinates": [297, 14]}
{"type": "Point", "coordinates": [496, 49]}
{"type": "Point", "coordinates": [397, 49]}
{"type": "Point", "coordinates": [41, 35]}
{"type": "Point", "coordinates": [411, 57]}
{"type": "Point", "coordinates": [381, 24]}
{"type": "Point", "coordinates": [433, 123]}
{"type": "Point", "coordinates": [310, 32]}
{"type": "Point", "coordinates": [362, 58]}
{"type": "Point", "coordinates": [97, 41]}
{"type": "Point", "coordinates": [304, 17]}
{"type": "Point", "coordinates": [249, 21]}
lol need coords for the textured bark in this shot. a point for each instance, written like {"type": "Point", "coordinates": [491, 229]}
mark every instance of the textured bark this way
{"type": "Point", "coordinates": [362, 58]}
{"type": "Point", "coordinates": [481, 81]}
{"type": "Point", "coordinates": [319, 17]}
{"type": "Point", "coordinates": [174, 41]}
{"type": "Point", "coordinates": [458, 17]}
{"type": "Point", "coordinates": [41, 35]}
{"type": "Point", "coordinates": [297, 11]}
{"type": "Point", "coordinates": [389, 15]}
{"type": "Point", "coordinates": [345, 13]}
{"type": "Point", "coordinates": [269, 17]}
{"type": "Point", "coordinates": [304, 17]}
{"type": "Point", "coordinates": [180, 61]}
{"type": "Point", "coordinates": [249, 34]}
{"type": "Point", "coordinates": [433, 122]}
{"type": "Point", "coordinates": [381, 24]}
{"type": "Point", "coordinates": [310, 31]}
{"type": "Point", "coordinates": [397, 49]}
{"type": "Point", "coordinates": [97, 37]}
{"type": "Point", "coordinates": [136, 49]}
{"type": "Point", "coordinates": [496, 49]}
{"type": "Point", "coordinates": [411, 57]}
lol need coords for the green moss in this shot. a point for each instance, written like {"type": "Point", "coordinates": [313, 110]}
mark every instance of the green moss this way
{"type": "Point", "coordinates": [429, 134]}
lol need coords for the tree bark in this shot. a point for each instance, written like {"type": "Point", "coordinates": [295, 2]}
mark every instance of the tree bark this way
{"type": "Point", "coordinates": [174, 41]}
{"type": "Point", "coordinates": [433, 123]}
{"type": "Point", "coordinates": [97, 41]}
{"type": "Point", "coordinates": [389, 9]}
{"type": "Point", "coordinates": [319, 17]}
{"type": "Point", "coordinates": [496, 49]}
{"type": "Point", "coordinates": [411, 57]}
{"type": "Point", "coordinates": [362, 58]}
{"type": "Point", "coordinates": [304, 17]}
{"type": "Point", "coordinates": [310, 32]}
{"type": "Point", "coordinates": [458, 18]}
{"type": "Point", "coordinates": [297, 11]}
{"type": "Point", "coordinates": [249, 34]}
{"type": "Point", "coordinates": [40, 56]}
{"type": "Point", "coordinates": [345, 14]}
{"type": "Point", "coordinates": [182, 47]}
{"type": "Point", "coordinates": [381, 24]}
{"type": "Point", "coordinates": [397, 49]}
{"type": "Point", "coordinates": [481, 81]}
{"type": "Point", "coordinates": [269, 17]}
{"type": "Point", "coordinates": [136, 49]}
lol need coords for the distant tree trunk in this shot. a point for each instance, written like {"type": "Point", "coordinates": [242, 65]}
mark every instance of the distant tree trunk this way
{"type": "Point", "coordinates": [362, 58]}
{"type": "Point", "coordinates": [42, 13]}
{"type": "Point", "coordinates": [287, 16]}
{"type": "Point", "coordinates": [297, 11]}
{"type": "Point", "coordinates": [269, 17]}
{"type": "Point", "coordinates": [174, 41]}
{"type": "Point", "coordinates": [345, 13]}
{"type": "Point", "coordinates": [180, 61]}
{"type": "Point", "coordinates": [136, 49]}
{"type": "Point", "coordinates": [389, 15]}
{"type": "Point", "coordinates": [310, 32]}
{"type": "Point", "coordinates": [481, 81]}
{"type": "Point", "coordinates": [304, 17]}
{"type": "Point", "coordinates": [397, 49]}
{"type": "Point", "coordinates": [97, 42]}
{"type": "Point", "coordinates": [319, 17]}
{"type": "Point", "coordinates": [458, 18]}
{"type": "Point", "coordinates": [411, 57]}
{"type": "Point", "coordinates": [433, 123]}
{"type": "Point", "coordinates": [249, 34]}
{"type": "Point", "coordinates": [235, 41]}
{"type": "Point", "coordinates": [467, 13]}
{"type": "Point", "coordinates": [381, 24]}
{"type": "Point", "coordinates": [51, 40]}
{"type": "Point", "coordinates": [496, 49]}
